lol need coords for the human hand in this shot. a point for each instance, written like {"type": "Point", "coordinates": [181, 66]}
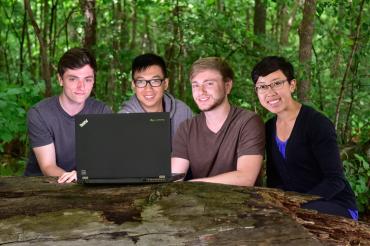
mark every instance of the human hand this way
{"type": "Point", "coordinates": [68, 177]}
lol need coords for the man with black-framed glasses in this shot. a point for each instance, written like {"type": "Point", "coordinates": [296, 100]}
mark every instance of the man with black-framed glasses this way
{"type": "Point", "coordinates": [150, 82]}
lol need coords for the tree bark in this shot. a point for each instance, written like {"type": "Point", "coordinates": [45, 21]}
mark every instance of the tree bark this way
{"type": "Point", "coordinates": [53, 29]}
{"type": "Point", "coordinates": [220, 5]}
{"type": "Point", "coordinates": [122, 40]}
{"type": "Point", "coordinates": [45, 66]}
{"type": "Point", "coordinates": [21, 47]}
{"type": "Point", "coordinates": [134, 25]}
{"type": "Point", "coordinates": [259, 26]}
{"type": "Point", "coordinates": [88, 8]}
{"type": "Point", "coordinates": [288, 22]}
{"type": "Point", "coordinates": [44, 212]}
{"type": "Point", "coordinates": [306, 31]}
{"type": "Point", "coordinates": [171, 49]}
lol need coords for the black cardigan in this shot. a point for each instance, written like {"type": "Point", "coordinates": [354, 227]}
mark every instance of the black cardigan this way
{"type": "Point", "coordinates": [312, 163]}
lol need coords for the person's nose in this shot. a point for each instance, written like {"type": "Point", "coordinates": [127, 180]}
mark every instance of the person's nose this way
{"type": "Point", "coordinates": [202, 88]}
{"type": "Point", "coordinates": [148, 87]}
{"type": "Point", "coordinates": [81, 83]}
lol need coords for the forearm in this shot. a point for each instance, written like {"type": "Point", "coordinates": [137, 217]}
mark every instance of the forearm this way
{"type": "Point", "coordinates": [328, 188]}
{"type": "Point", "coordinates": [238, 178]}
{"type": "Point", "coordinates": [52, 170]}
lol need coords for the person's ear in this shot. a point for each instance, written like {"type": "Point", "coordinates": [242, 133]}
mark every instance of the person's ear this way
{"type": "Point", "coordinates": [228, 86]}
{"type": "Point", "coordinates": [60, 80]}
{"type": "Point", "coordinates": [292, 85]}
{"type": "Point", "coordinates": [133, 87]}
{"type": "Point", "coordinates": [166, 82]}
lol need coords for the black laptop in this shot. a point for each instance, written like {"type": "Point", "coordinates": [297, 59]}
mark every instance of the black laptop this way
{"type": "Point", "coordinates": [123, 148]}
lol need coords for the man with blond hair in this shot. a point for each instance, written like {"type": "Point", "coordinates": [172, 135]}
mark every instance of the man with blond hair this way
{"type": "Point", "coordinates": [223, 144]}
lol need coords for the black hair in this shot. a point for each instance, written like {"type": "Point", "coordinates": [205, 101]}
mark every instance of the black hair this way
{"type": "Point", "coordinates": [271, 64]}
{"type": "Point", "coordinates": [144, 61]}
{"type": "Point", "coordinates": [76, 58]}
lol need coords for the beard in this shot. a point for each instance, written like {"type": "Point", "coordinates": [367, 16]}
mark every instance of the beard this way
{"type": "Point", "coordinates": [217, 102]}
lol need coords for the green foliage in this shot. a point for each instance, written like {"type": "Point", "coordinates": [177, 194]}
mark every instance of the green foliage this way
{"type": "Point", "coordinates": [14, 103]}
{"type": "Point", "coordinates": [357, 172]}
{"type": "Point", "coordinates": [12, 167]}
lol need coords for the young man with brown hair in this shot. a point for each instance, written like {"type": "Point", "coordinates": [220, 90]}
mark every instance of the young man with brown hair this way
{"type": "Point", "coordinates": [223, 144]}
{"type": "Point", "coordinates": [51, 121]}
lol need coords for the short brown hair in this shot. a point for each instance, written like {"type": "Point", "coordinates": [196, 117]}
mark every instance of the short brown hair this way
{"type": "Point", "coordinates": [212, 63]}
{"type": "Point", "coordinates": [76, 58]}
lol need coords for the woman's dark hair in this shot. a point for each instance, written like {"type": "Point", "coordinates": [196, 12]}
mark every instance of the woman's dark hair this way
{"type": "Point", "coordinates": [142, 62]}
{"type": "Point", "coordinates": [76, 58]}
{"type": "Point", "coordinates": [272, 64]}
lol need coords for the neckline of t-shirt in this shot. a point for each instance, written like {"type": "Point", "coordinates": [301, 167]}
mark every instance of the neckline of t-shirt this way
{"type": "Point", "coordinates": [60, 108]}
{"type": "Point", "coordinates": [223, 125]}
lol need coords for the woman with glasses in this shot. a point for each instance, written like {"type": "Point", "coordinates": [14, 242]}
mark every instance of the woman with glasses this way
{"type": "Point", "coordinates": [301, 147]}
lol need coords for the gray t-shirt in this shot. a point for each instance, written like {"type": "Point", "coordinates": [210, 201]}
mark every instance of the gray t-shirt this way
{"type": "Point", "coordinates": [48, 123]}
{"type": "Point", "coordinates": [209, 153]}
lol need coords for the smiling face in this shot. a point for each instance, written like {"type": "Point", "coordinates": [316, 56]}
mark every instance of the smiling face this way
{"type": "Point", "coordinates": [150, 97]}
{"type": "Point", "coordinates": [77, 85]}
{"type": "Point", "coordinates": [209, 89]}
{"type": "Point", "coordinates": [276, 100]}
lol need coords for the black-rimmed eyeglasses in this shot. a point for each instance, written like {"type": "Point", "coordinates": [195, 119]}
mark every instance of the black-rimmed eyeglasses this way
{"type": "Point", "coordinates": [141, 83]}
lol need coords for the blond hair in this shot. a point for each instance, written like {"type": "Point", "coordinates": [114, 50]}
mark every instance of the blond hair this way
{"type": "Point", "coordinates": [212, 63]}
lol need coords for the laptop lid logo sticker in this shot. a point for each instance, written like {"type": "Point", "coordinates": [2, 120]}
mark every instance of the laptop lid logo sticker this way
{"type": "Point", "coordinates": [84, 123]}
{"type": "Point", "coordinates": [157, 120]}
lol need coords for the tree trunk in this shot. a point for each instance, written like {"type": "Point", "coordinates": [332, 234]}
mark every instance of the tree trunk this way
{"type": "Point", "coordinates": [21, 47]}
{"type": "Point", "coordinates": [170, 50]}
{"type": "Point", "coordinates": [40, 211]}
{"type": "Point", "coordinates": [29, 54]}
{"type": "Point", "coordinates": [53, 29]}
{"type": "Point", "coordinates": [88, 8]}
{"type": "Point", "coordinates": [259, 27]}
{"type": "Point", "coordinates": [306, 31]}
{"type": "Point", "coordinates": [134, 25]}
{"type": "Point", "coordinates": [123, 40]}
{"type": "Point", "coordinates": [286, 25]}
{"type": "Point", "coordinates": [220, 5]}
{"type": "Point", "coordinates": [248, 26]}
{"type": "Point", "coordinates": [45, 66]}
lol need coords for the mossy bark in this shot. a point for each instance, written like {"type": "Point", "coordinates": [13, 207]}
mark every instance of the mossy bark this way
{"type": "Point", "coordinates": [38, 211]}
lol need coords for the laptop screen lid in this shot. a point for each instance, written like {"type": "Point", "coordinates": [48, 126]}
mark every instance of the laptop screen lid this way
{"type": "Point", "coordinates": [123, 148]}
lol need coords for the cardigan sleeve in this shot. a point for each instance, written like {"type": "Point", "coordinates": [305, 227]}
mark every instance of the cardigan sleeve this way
{"type": "Point", "coordinates": [325, 150]}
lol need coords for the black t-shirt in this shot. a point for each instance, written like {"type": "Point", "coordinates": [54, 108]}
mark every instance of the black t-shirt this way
{"type": "Point", "coordinates": [48, 123]}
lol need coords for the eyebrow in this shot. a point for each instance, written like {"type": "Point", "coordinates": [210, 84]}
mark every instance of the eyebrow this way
{"type": "Point", "coordinates": [153, 77]}
{"type": "Point", "coordinates": [273, 80]}
{"type": "Point", "coordinates": [207, 80]}
{"type": "Point", "coordinates": [75, 76]}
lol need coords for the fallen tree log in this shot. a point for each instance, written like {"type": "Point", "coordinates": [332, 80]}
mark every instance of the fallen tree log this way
{"type": "Point", "coordinates": [38, 211]}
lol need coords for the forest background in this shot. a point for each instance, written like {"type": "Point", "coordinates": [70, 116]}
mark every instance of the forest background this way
{"type": "Point", "coordinates": [327, 41]}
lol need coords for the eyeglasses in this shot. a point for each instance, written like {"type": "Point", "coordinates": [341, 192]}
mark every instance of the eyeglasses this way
{"type": "Point", "coordinates": [141, 83]}
{"type": "Point", "coordinates": [261, 89]}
